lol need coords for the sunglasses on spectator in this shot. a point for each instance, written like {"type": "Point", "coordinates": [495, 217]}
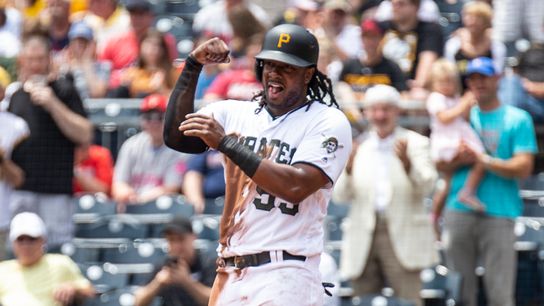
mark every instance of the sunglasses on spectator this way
{"type": "Point", "coordinates": [153, 116]}
{"type": "Point", "coordinates": [25, 238]}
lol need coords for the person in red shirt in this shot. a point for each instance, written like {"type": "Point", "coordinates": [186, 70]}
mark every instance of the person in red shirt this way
{"type": "Point", "coordinates": [141, 20]}
{"type": "Point", "coordinates": [93, 170]}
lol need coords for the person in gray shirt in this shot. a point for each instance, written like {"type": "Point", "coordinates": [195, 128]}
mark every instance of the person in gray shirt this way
{"type": "Point", "coordinates": [145, 168]}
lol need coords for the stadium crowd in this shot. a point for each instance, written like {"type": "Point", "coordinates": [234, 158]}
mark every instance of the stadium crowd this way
{"type": "Point", "coordinates": [470, 74]}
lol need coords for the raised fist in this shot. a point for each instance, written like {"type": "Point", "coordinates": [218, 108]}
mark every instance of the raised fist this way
{"type": "Point", "coordinates": [213, 51]}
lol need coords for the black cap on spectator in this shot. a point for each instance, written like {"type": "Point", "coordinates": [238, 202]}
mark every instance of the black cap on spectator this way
{"type": "Point", "coordinates": [531, 63]}
{"type": "Point", "coordinates": [178, 225]}
{"type": "Point", "coordinates": [135, 5]}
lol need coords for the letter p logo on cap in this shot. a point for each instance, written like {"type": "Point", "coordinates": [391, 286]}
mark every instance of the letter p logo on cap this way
{"type": "Point", "coordinates": [284, 38]}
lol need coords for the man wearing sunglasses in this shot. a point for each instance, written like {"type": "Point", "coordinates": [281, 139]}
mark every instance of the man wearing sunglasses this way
{"type": "Point", "coordinates": [36, 278]}
{"type": "Point", "coordinates": [145, 168]}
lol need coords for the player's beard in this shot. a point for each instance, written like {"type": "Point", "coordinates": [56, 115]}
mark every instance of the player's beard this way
{"type": "Point", "coordinates": [291, 99]}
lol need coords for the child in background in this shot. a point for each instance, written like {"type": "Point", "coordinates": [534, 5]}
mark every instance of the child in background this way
{"type": "Point", "coordinates": [450, 129]}
{"type": "Point", "coordinates": [93, 170]}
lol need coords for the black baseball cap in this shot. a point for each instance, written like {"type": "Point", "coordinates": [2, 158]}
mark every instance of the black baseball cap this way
{"type": "Point", "coordinates": [531, 63]}
{"type": "Point", "coordinates": [178, 225]}
{"type": "Point", "coordinates": [138, 5]}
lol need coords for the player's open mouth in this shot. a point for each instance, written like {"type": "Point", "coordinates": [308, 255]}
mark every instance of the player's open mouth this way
{"type": "Point", "coordinates": [274, 89]}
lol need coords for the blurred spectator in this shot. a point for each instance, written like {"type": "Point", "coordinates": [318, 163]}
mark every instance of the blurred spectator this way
{"type": "Point", "coordinates": [388, 237]}
{"type": "Point", "coordinates": [187, 275]}
{"type": "Point", "coordinates": [56, 19]}
{"type": "Point", "coordinates": [36, 278]}
{"type": "Point", "coordinates": [305, 13]}
{"type": "Point", "coordinates": [487, 239]}
{"type": "Point", "coordinates": [79, 60]}
{"type": "Point", "coordinates": [54, 112]}
{"type": "Point", "coordinates": [52, 22]}
{"type": "Point", "coordinates": [525, 88]}
{"type": "Point", "coordinates": [338, 26]}
{"type": "Point", "coordinates": [413, 44]}
{"type": "Point", "coordinates": [5, 80]}
{"type": "Point", "coordinates": [370, 69]}
{"type": "Point", "coordinates": [154, 72]}
{"type": "Point", "coordinates": [428, 11]}
{"type": "Point", "coordinates": [212, 19]}
{"type": "Point", "coordinates": [30, 8]}
{"type": "Point", "coordinates": [328, 61]}
{"type": "Point", "coordinates": [146, 169]}
{"type": "Point", "coordinates": [205, 79]}
{"type": "Point", "coordinates": [7, 88]}
{"type": "Point", "coordinates": [93, 170]}
{"type": "Point", "coordinates": [309, 14]}
{"type": "Point", "coordinates": [107, 19]}
{"type": "Point", "coordinates": [244, 26]}
{"type": "Point", "coordinates": [518, 19]}
{"type": "Point", "coordinates": [240, 82]}
{"type": "Point", "coordinates": [365, 8]}
{"type": "Point", "coordinates": [78, 6]}
{"type": "Point", "coordinates": [141, 22]}
{"type": "Point", "coordinates": [474, 39]}
{"type": "Point", "coordinates": [14, 18]}
{"type": "Point", "coordinates": [204, 179]}
{"type": "Point", "coordinates": [449, 128]}
{"type": "Point", "coordinates": [14, 131]}
{"type": "Point", "coordinates": [10, 30]}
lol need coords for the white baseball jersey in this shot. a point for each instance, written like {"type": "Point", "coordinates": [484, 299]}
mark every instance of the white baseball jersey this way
{"type": "Point", "coordinates": [255, 221]}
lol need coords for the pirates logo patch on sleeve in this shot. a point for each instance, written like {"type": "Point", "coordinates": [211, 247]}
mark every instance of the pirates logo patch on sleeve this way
{"type": "Point", "coordinates": [331, 145]}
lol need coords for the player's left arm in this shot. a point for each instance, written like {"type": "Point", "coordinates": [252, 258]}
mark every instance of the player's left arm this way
{"type": "Point", "coordinates": [181, 100]}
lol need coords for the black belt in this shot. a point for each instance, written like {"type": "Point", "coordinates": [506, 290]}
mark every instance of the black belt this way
{"type": "Point", "coordinates": [254, 260]}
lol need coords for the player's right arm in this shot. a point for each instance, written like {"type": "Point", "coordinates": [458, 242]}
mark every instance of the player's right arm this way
{"type": "Point", "coordinates": [292, 183]}
{"type": "Point", "coordinates": [181, 101]}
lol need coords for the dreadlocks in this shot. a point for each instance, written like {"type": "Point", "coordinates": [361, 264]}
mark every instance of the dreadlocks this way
{"type": "Point", "coordinates": [319, 87]}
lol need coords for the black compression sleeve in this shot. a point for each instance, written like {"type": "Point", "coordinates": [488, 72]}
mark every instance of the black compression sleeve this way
{"type": "Point", "coordinates": [180, 104]}
{"type": "Point", "coordinates": [242, 156]}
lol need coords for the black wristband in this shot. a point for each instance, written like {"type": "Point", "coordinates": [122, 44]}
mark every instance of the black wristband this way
{"type": "Point", "coordinates": [242, 156]}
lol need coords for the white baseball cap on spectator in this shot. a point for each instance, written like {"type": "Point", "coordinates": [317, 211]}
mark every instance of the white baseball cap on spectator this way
{"type": "Point", "coordinates": [342, 5]}
{"type": "Point", "coordinates": [306, 5]}
{"type": "Point", "coordinates": [26, 224]}
{"type": "Point", "coordinates": [381, 94]}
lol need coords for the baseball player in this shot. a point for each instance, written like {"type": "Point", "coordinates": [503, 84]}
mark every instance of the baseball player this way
{"type": "Point", "coordinates": [283, 152]}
